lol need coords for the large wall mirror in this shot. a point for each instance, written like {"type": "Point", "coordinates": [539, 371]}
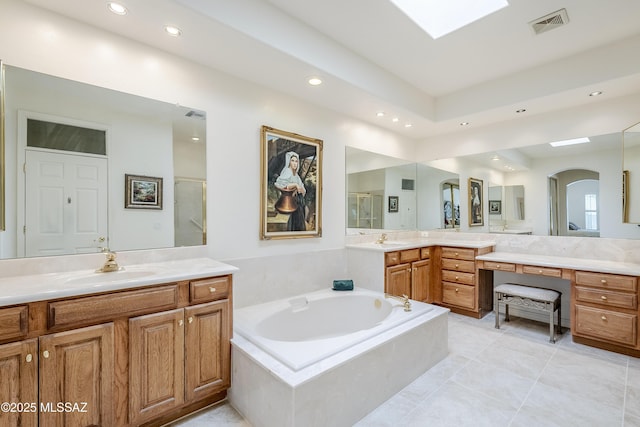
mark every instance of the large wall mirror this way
{"type": "Point", "coordinates": [571, 190]}
{"type": "Point", "coordinates": [75, 152]}
{"type": "Point", "coordinates": [631, 174]}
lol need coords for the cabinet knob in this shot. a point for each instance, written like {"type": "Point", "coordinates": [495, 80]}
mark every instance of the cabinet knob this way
{"type": "Point", "coordinates": [457, 290]}
{"type": "Point", "coordinates": [29, 358]}
{"type": "Point", "coordinates": [498, 266]}
{"type": "Point", "coordinates": [539, 271]}
{"type": "Point", "coordinates": [180, 322]}
{"type": "Point", "coordinates": [604, 317]}
{"type": "Point", "coordinates": [457, 265]}
{"type": "Point", "coordinates": [604, 298]}
{"type": "Point", "coordinates": [190, 319]}
{"type": "Point", "coordinates": [603, 281]}
{"type": "Point", "coordinates": [457, 278]}
{"type": "Point", "coordinates": [212, 289]}
{"type": "Point", "coordinates": [456, 253]}
{"type": "Point", "coordinates": [45, 354]}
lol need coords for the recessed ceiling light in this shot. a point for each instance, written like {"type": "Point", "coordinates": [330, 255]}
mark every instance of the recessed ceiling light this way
{"type": "Point", "coordinates": [596, 93]}
{"type": "Point", "coordinates": [380, 114]}
{"type": "Point", "coordinates": [522, 110]}
{"type": "Point", "coordinates": [464, 124]}
{"type": "Point", "coordinates": [570, 142]}
{"type": "Point", "coordinates": [117, 8]}
{"type": "Point", "coordinates": [408, 125]}
{"type": "Point", "coordinates": [195, 138]}
{"type": "Point", "coordinates": [315, 81]}
{"type": "Point", "coordinates": [438, 17]}
{"type": "Point", "coordinates": [395, 120]}
{"type": "Point", "coordinates": [173, 31]}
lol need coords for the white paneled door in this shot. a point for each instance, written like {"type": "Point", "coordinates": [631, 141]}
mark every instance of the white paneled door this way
{"type": "Point", "coordinates": [66, 203]}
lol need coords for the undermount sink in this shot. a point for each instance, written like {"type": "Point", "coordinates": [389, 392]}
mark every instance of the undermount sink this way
{"type": "Point", "coordinates": [392, 243]}
{"type": "Point", "coordinates": [113, 276]}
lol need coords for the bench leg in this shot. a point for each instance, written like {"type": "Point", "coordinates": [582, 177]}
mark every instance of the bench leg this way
{"type": "Point", "coordinates": [559, 318]}
{"type": "Point", "coordinates": [506, 313]}
{"type": "Point", "coordinates": [496, 311]}
{"type": "Point", "coordinates": [552, 326]}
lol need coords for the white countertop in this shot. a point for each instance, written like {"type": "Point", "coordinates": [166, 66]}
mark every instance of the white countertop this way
{"type": "Point", "coordinates": [583, 264]}
{"type": "Point", "coordinates": [397, 245]}
{"type": "Point", "coordinates": [38, 287]}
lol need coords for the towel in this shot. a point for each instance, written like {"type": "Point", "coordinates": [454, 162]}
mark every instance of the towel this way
{"type": "Point", "coordinates": [343, 285]}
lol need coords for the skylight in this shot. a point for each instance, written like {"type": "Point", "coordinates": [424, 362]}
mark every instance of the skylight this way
{"type": "Point", "coordinates": [440, 17]}
{"type": "Point", "coordinates": [570, 142]}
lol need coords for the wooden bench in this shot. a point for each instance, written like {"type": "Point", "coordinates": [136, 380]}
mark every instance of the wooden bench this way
{"type": "Point", "coordinates": [530, 297]}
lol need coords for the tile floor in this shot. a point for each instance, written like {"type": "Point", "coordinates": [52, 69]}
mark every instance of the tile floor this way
{"type": "Point", "coordinates": [508, 377]}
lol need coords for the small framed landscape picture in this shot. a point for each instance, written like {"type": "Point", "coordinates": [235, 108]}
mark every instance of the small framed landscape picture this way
{"type": "Point", "coordinates": [142, 192]}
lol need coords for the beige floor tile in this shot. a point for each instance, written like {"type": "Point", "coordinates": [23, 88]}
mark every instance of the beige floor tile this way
{"type": "Point", "coordinates": [491, 380]}
{"type": "Point", "coordinates": [455, 405]}
{"type": "Point", "coordinates": [632, 400]}
{"type": "Point", "coordinates": [550, 406]}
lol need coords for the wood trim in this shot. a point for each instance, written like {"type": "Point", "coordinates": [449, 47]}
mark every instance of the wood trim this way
{"type": "Point", "coordinates": [14, 323]}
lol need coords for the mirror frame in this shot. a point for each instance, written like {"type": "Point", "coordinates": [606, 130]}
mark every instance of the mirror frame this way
{"type": "Point", "coordinates": [2, 159]}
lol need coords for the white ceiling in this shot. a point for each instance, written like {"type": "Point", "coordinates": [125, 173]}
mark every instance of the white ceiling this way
{"type": "Point", "coordinates": [373, 58]}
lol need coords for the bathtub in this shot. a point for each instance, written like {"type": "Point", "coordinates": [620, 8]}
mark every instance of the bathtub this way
{"type": "Point", "coordinates": [329, 357]}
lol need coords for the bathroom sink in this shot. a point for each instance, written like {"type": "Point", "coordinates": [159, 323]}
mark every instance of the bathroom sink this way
{"type": "Point", "coordinates": [113, 276]}
{"type": "Point", "coordinates": [392, 243]}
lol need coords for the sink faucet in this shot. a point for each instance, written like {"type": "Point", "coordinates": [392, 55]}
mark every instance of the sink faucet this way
{"type": "Point", "coordinates": [404, 298]}
{"type": "Point", "coordinates": [382, 238]}
{"type": "Point", "coordinates": [110, 263]}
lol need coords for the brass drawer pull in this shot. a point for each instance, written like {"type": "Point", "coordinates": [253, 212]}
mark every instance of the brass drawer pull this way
{"type": "Point", "coordinates": [604, 317]}
{"type": "Point", "coordinates": [29, 358]}
{"type": "Point", "coordinates": [539, 271]}
{"type": "Point", "coordinates": [212, 289]}
{"type": "Point", "coordinates": [604, 298]}
{"type": "Point", "coordinates": [498, 266]}
{"type": "Point", "coordinates": [603, 281]}
{"type": "Point", "coordinates": [190, 319]}
{"type": "Point", "coordinates": [457, 290]}
{"type": "Point", "coordinates": [180, 322]}
{"type": "Point", "coordinates": [457, 265]}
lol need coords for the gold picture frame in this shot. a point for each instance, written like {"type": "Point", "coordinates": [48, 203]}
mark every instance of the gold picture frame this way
{"type": "Point", "coordinates": [290, 185]}
{"type": "Point", "coordinates": [476, 209]}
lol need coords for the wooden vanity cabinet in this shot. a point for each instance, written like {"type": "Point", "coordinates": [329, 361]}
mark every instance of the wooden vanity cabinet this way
{"type": "Point", "coordinates": [605, 310]}
{"type": "Point", "coordinates": [141, 356]}
{"type": "Point", "coordinates": [460, 290]}
{"type": "Point", "coordinates": [408, 272]}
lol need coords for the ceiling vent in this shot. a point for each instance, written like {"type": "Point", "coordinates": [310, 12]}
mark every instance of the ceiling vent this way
{"type": "Point", "coordinates": [550, 21]}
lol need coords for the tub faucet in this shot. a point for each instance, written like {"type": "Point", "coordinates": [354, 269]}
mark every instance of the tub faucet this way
{"type": "Point", "coordinates": [110, 263]}
{"type": "Point", "coordinates": [382, 238]}
{"type": "Point", "coordinates": [404, 298]}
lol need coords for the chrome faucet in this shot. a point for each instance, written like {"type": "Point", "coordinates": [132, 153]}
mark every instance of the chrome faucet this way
{"type": "Point", "coordinates": [382, 238]}
{"type": "Point", "coordinates": [110, 263]}
{"type": "Point", "coordinates": [404, 298]}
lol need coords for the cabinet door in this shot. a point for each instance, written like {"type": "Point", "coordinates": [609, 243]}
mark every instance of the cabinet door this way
{"type": "Point", "coordinates": [207, 349]}
{"type": "Point", "coordinates": [77, 367]}
{"type": "Point", "coordinates": [420, 273]}
{"type": "Point", "coordinates": [156, 364]}
{"type": "Point", "coordinates": [19, 381]}
{"type": "Point", "coordinates": [398, 280]}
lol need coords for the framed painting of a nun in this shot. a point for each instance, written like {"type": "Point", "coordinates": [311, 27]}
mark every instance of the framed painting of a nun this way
{"type": "Point", "coordinates": [291, 185]}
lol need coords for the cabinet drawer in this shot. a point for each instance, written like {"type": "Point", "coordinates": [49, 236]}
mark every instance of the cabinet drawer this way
{"type": "Point", "coordinates": [425, 253]}
{"type": "Point", "coordinates": [100, 308]}
{"type": "Point", "coordinates": [607, 281]}
{"type": "Point", "coordinates": [499, 266]}
{"type": "Point", "coordinates": [607, 325]}
{"type": "Point", "coordinates": [458, 265]}
{"type": "Point", "coordinates": [211, 289]}
{"type": "Point", "coordinates": [14, 322]}
{"type": "Point", "coordinates": [410, 255]}
{"type": "Point", "coordinates": [606, 298]}
{"type": "Point", "coordinates": [391, 258]}
{"type": "Point", "coordinates": [458, 277]}
{"type": "Point", "coordinates": [458, 253]}
{"type": "Point", "coordinates": [459, 295]}
{"type": "Point", "coordinates": [542, 271]}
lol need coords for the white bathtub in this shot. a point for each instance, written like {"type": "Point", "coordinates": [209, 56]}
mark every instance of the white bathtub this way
{"type": "Point", "coordinates": [329, 357]}
{"type": "Point", "coordinates": [301, 331]}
